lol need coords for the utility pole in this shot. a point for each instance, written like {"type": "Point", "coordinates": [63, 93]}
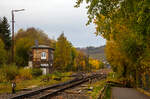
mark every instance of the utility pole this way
{"type": "Point", "coordinates": [12, 41]}
{"type": "Point", "coordinates": [13, 35]}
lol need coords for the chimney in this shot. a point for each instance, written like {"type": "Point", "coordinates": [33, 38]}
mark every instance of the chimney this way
{"type": "Point", "coordinates": [36, 43]}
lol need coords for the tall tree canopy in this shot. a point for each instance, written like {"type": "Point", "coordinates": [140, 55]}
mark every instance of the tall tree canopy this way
{"type": "Point", "coordinates": [34, 34]}
{"type": "Point", "coordinates": [126, 26]}
{"type": "Point", "coordinates": [62, 56]}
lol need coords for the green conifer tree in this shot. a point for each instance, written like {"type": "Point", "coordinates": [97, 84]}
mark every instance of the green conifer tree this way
{"type": "Point", "coordinates": [5, 33]}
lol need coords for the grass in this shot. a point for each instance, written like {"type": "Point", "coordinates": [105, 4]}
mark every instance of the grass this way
{"type": "Point", "coordinates": [5, 87]}
{"type": "Point", "coordinates": [107, 93]}
{"type": "Point", "coordinates": [97, 86]}
{"type": "Point", "coordinates": [35, 82]}
{"type": "Point", "coordinates": [112, 77]}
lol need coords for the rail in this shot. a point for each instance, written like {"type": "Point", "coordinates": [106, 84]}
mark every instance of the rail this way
{"type": "Point", "coordinates": [50, 91]}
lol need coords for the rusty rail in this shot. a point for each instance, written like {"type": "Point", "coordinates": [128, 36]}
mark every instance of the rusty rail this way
{"type": "Point", "coordinates": [50, 91]}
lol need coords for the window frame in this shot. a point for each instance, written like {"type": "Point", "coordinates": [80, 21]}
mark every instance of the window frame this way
{"type": "Point", "coordinates": [43, 55]}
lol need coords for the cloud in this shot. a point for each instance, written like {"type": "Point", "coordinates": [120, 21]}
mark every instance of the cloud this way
{"type": "Point", "coordinates": [53, 17]}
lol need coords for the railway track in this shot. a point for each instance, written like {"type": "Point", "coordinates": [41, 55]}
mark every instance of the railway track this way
{"type": "Point", "coordinates": [50, 91]}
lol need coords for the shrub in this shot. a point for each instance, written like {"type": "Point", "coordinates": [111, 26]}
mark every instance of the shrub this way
{"type": "Point", "coordinates": [36, 72]}
{"type": "Point", "coordinates": [24, 74]}
{"type": "Point", "coordinates": [8, 73]}
{"type": "Point", "coordinates": [3, 54]}
{"type": "Point", "coordinates": [58, 74]}
{"type": "Point", "coordinates": [46, 78]}
{"type": "Point", "coordinates": [2, 76]}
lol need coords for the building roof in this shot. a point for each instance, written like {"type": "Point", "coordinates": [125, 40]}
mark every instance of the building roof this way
{"type": "Point", "coordinates": [42, 47]}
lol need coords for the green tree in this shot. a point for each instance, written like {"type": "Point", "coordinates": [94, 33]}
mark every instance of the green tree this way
{"type": "Point", "coordinates": [5, 33]}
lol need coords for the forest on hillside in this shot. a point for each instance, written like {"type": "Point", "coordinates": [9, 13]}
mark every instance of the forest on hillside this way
{"type": "Point", "coordinates": [94, 52]}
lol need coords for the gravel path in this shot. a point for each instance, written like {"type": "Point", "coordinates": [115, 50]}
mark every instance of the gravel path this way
{"type": "Point", "coordinates": [127, 93]}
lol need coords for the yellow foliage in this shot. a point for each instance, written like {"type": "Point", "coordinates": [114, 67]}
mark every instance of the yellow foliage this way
{"type": "Point", "coordinates": [115, 57]}
{"type": "Point", "coordinates": [3, 54]}
{"type": "Point", "coordinates": [95, 63]}
{"type": "Point", "coordinates": [62, 54]}
{"type": "Point", "coordinates": [24, 74]}
{"type": "Point", "coordinates": [83, 64]}
{"type": "Point", "coordinates": [80, 61]}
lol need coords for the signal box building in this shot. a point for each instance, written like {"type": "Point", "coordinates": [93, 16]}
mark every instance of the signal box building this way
{"type": "Point", "coordinates": [42, 57]}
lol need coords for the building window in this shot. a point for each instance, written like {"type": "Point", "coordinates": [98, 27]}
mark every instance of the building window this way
{"type": "Point", "coordinates": [43, 55]}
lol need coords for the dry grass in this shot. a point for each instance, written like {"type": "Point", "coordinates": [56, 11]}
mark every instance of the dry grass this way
{"type": "Point", "coordinates": [34, 82]}
{"type": "Point", "coordinates": [97, 86]}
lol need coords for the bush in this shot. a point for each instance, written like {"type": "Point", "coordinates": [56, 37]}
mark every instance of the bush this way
{"type": "Point", "coordinates": [8, 73]}
{"type": "Point", "coordinates": [36, 72]}
{"type": "Point", "coordinates": [24, 74]}
{"type": "Point", "coordinates": [3, 54]}
{"type": "Point", "coordinates": [58, 74]}
{"type": "Point", "coordinates": [46, 78]}
{"type": "Point", "coordinates": [2, 76]}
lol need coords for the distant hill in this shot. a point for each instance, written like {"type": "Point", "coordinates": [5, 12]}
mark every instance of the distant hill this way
{"type": "Point", "coordinates": [94, 52]}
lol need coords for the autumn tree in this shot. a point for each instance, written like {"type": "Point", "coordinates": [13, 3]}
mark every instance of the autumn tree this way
{"type": "Point", "coordinates": [23, 47]}
{"type": "Point", "coordinates": [126, 26]}
{"type": "Point", "coordinates": [34, 34]}
{"type": "Point", "coordinates": [74, 54]}
{"type": "Point", "coordinates": [3, 54]}
{"type": "Point", "coordinates": [24, 40]}
{"type": "Point", "coordinates": [96, 64]}
{"type": "Point", "coordinates": [80, 63]}
{"type": "Point", "coordinates": [62, 54]}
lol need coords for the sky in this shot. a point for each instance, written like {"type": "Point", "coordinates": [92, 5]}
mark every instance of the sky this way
{"type": "Point", "coordinates": [53, 17]}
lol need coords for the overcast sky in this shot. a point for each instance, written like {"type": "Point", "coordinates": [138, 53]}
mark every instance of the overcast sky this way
{"type": "Point", "coordinates": [53, 17]}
